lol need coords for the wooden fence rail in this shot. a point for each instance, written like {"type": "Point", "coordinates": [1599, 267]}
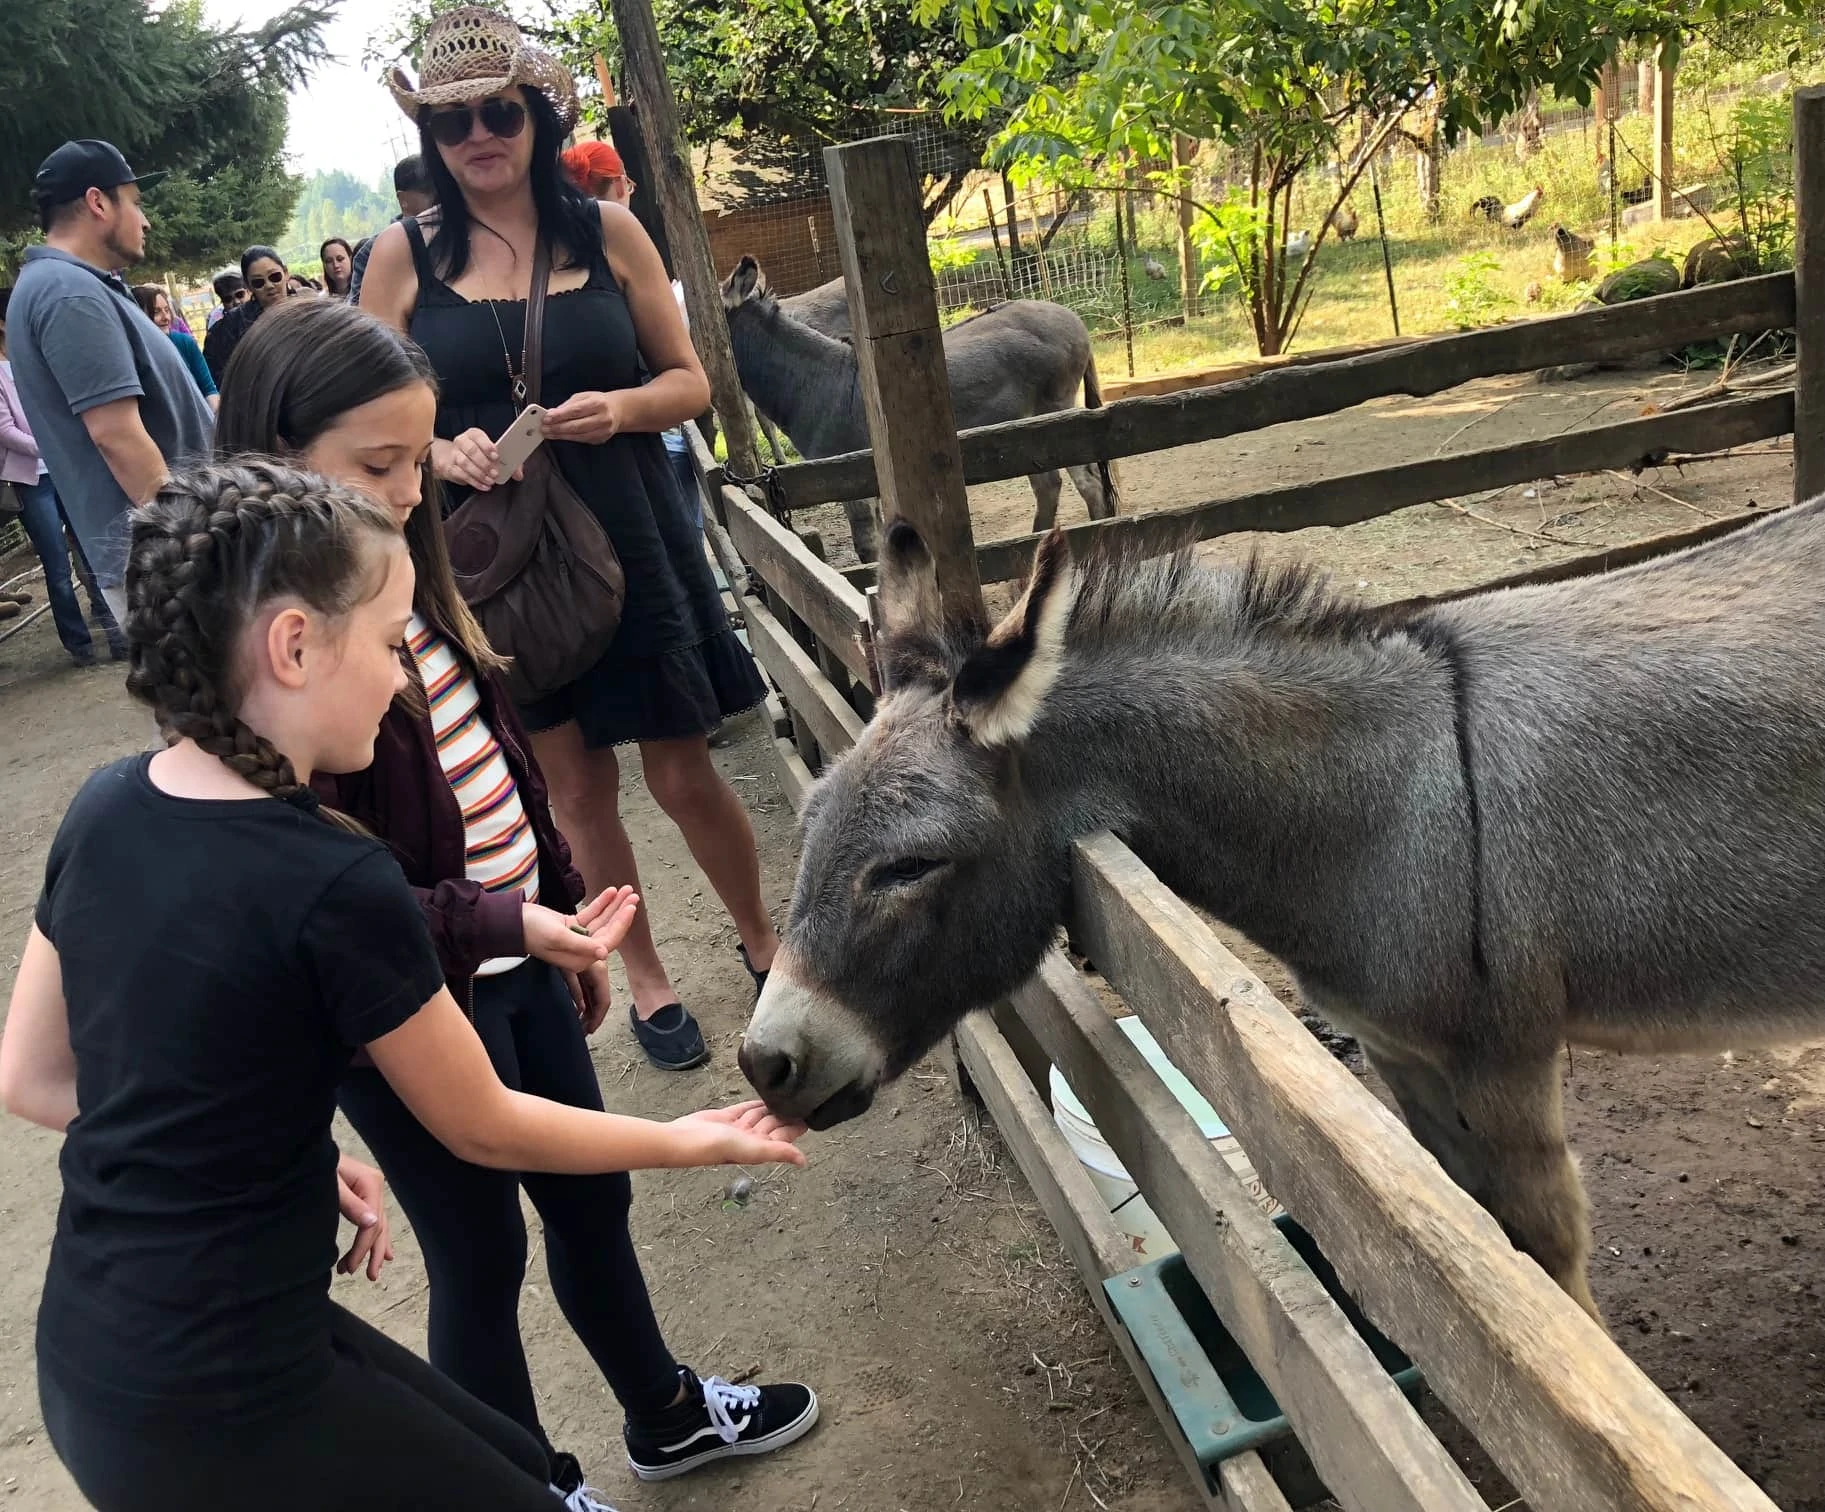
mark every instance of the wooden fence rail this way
{"type": "Point", "coordinates": [1364, 1437]}
{"type": "Point", "coordinates": [1354, 497]}
{"type": "Point", "coordinates": [1568, 1418]}
{"type": "Point", "coordinates": [1131, 426]}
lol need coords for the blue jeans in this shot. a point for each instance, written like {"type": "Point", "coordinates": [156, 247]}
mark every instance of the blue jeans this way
{"type": "Point", "coordinates": [42, 517]}
{"type": "Point", "coordinates": [687, 482]}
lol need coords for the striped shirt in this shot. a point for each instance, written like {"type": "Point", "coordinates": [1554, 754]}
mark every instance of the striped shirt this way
{"type": "Point", "coordinates": [503, 853]}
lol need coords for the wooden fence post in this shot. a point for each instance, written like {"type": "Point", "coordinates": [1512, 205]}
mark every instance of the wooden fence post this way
{"type": "Point", "coordinates": [1664, 168]}
{"type": "Point", "coordinates": [1184, 154]}
{"type": "Point", "coordinates": [630, 141]}
{"type": "Point", "coordinates": [893, 305]}
{"type": "Point", "coordinates": [676, 191]}
{"type": "Point", "coordinates": [1809, 291]}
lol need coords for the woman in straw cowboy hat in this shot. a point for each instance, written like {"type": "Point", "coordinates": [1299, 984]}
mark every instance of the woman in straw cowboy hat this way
{"type": "Point", "coordinates": [676, 670]}
{"type": "Point", "coordinates": [493, 112]}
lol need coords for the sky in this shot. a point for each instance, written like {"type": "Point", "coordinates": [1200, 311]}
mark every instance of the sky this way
{"type": "Point", "coordinates": [343, 118]}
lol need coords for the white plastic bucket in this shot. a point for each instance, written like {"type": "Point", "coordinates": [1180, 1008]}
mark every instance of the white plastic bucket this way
{"type": "Point", "coordinates": [1132, 1214]}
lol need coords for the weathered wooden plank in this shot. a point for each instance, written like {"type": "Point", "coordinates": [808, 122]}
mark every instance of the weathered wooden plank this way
{"type": "Point", "coordinates": [906, 394]}
{"type": "Point", "coordinates": [819, 594]}
{"type": "Point", "coordinates": [1571, 1422]}
{"type": "Point", "coordinates": [1098, 1249]}
{"type": "Point", "coordinates": [1364, 1437]}
{"type": "Point", "coordinates": [703, 461]}
{"type": "Point", "coordinates": [795, 777]}
{"type": "Point", "coordinates": [1354, 497]}
{"type": "Point", "coordinates": [1132, 426]}
{"type": "Point", "coordinates": [1809, 279]}
{"type": "Point", "coordinates": [808, 693]}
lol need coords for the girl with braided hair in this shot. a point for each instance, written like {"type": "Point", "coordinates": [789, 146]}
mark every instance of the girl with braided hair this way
{"type": "Point", "coordinates": [207, 955]}
{"type": "Point", "coordinates": [456, 793]}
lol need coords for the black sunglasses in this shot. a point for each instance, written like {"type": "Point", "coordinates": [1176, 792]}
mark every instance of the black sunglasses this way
{"type": "Point", "coordinates": [266, 278]}
{"type": "Point", "coordinates": [505, 119]}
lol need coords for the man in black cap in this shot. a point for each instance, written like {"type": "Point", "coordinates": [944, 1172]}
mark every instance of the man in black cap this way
{"type": "Point", "coordinates": [108, 397]}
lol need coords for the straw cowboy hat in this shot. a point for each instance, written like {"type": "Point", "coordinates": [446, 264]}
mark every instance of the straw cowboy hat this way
{"type": "Point", "coordinates": [472, 52]}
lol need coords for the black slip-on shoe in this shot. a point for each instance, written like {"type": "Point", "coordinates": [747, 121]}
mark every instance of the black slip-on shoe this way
{"type": "Point", "coordinates": [671, 1039]}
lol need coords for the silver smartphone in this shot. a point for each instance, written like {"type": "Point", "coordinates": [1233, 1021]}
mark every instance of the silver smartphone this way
{"type": "Point", "coordinates": [519, 441]}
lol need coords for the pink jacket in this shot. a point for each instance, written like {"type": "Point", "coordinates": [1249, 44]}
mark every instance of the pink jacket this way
{"type": "Point", "coordinates": [18, 451]}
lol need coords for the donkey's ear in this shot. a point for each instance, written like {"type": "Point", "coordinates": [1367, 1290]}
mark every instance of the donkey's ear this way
{"type": "Point", "coordinates": [909, 583]}
{"type": "Point", "coordinates": [999, 692]}
{"type": "Point", "coordinates": [911, 647]}
{"type": "Point", "coordinates": [744, 283]}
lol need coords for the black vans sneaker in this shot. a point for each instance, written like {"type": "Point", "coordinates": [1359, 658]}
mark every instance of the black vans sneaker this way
{"type": "Point", "coordinates": [717, 1421]}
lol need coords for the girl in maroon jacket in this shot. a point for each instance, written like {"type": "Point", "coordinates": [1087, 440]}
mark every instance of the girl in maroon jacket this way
{"type": "Point", "coordinates": [456, 795]}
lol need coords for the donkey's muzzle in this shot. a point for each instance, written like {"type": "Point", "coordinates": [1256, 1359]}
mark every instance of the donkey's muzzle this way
{"type": "Point", "coordinates": [770, 1072]}
{"type": "Point", "coordinates": [807, 1055]}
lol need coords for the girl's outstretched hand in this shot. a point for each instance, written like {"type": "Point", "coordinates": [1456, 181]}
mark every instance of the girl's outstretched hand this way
{"type": "Point", "coordinates": [576, 942]}
{"type": "Point", "coordinates": [744, 1134]}
{"type": "Point", "coordinates": [610, 915]}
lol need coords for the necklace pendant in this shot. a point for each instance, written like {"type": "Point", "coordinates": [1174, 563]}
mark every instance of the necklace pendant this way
{"type": "Point", "coordinates": [519, 393]}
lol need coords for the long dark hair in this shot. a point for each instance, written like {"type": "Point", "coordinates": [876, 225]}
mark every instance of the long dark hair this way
{"type": "Point", "coordinates": [216, 545]}
{"type": "Point", "coordinates": [148, 295]}
{"type": "Point", "coordinates": [335, 241]}
{"type": "Point", "coordinates": [299, 371]}
{"type": "Point", "coordinates": [569, 220]}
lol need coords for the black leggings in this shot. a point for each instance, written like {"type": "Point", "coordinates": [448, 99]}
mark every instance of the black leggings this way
{"type": "Point", "coordinates": [384, 1432]}
{"type": "Point", "coordinates": [470, 1227]}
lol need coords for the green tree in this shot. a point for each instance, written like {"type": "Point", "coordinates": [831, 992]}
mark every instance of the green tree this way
{"type": "Point", "coordinates": [173, 93]}
{"type": "Point", "coordinates": [784, 78]}
{"type": "Point", "coordinates": [336, 204]}
{"type": "Point", "coordinates": [1290, 85]}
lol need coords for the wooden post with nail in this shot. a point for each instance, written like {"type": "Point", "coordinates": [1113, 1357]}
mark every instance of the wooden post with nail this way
{"type": "Point", "coordinates": [893, 306]}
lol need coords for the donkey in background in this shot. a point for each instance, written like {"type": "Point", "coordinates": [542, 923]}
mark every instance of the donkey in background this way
{"type": "Point", "coordinates": [1023, 358]}
{"type": "Point", "coordinates": [1591, 812]}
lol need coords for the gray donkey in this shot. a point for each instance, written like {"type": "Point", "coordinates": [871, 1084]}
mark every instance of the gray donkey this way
{"type": "Point", "coordinates": [1590, 812]}
{"type": "Point", "coordinates": [825, 309]}
{"type": "Point", "coordinates": [1023, 358]}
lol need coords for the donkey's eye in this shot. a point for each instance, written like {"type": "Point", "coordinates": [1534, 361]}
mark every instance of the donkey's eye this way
{"type": "Point", "coordinates": [902, 870]}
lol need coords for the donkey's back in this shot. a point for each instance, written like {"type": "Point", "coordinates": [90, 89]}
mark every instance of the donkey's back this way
{"type": "Point", "coordinates": [1647, 750]}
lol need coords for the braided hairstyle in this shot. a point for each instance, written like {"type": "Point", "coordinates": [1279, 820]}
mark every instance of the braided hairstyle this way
{"type": "Point", "coordinates": [216, 545]}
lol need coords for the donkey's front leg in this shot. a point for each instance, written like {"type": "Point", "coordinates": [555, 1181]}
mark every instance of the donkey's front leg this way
{"type": "Point", "coordinates": [1047, 486]}
{"type": "Point", "coordinates": [1499, 1132]}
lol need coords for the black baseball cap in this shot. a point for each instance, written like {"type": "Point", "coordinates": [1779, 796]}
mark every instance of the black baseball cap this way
{"type": "Point", "coordinates": [77, 167]}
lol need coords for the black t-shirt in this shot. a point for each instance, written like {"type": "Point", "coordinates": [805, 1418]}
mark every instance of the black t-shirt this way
{"type": "Point", "coordinates": [221, 961]}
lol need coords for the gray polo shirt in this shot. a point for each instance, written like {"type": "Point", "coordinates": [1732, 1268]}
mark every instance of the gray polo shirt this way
{"type": "Point", "coordinates": [78, 339]}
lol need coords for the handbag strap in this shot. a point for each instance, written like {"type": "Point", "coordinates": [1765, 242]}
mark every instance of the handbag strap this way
{"type": "Point", "coordinates": [532, 350]}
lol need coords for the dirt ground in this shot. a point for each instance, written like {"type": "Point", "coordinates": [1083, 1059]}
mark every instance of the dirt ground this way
{"type": "Point", "coordinates": [907, 1272]}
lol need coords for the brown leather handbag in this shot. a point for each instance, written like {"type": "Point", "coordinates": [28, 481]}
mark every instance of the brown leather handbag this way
{"type": "Point", "coordinates": [531, 558]}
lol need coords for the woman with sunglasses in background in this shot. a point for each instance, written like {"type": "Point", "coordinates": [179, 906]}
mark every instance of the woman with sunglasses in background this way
{"type": "Point", "coordinates": [266, 276]}
{"type": "Point", "coordinates": [492, 113]}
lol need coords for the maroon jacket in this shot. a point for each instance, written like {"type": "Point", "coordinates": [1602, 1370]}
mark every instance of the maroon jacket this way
{"type": "Point", "coordinates": [405, 799]}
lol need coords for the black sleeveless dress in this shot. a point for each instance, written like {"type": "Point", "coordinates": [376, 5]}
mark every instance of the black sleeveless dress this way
{"type": "Point", "coordinates": [676, 668]}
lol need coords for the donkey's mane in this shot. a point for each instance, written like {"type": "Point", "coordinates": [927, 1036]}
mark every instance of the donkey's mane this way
{"type": "Point", "coordinates": [1122, 595]}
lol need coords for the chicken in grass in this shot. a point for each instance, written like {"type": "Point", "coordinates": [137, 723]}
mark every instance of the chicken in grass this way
{"type": "Point", "coordinates": [1571, 255]}
{"type": "Point", "coordinates": [1522, 210]}
{"type": "Point", "coordinates": [1344, 222]}
{"type": "Point", "coordinates": [1514, 216]}
{"type": "Point", "coordinates": [1298, 244]}
{"type": "Point", "coordinates": [1153, 268]}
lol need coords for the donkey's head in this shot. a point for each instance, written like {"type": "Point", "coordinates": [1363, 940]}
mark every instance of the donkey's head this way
{"type": "Point", "coordinates": [931, 882]}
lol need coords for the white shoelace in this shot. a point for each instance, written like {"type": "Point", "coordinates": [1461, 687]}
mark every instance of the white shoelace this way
{"type": "Point", "coordinates": [583, 1499]}
{"type": "Point", "coordinates": [719, 1397]}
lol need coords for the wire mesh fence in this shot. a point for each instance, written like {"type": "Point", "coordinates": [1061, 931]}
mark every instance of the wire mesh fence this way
{"type": "Point", "coordinates": [1525, 217]}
